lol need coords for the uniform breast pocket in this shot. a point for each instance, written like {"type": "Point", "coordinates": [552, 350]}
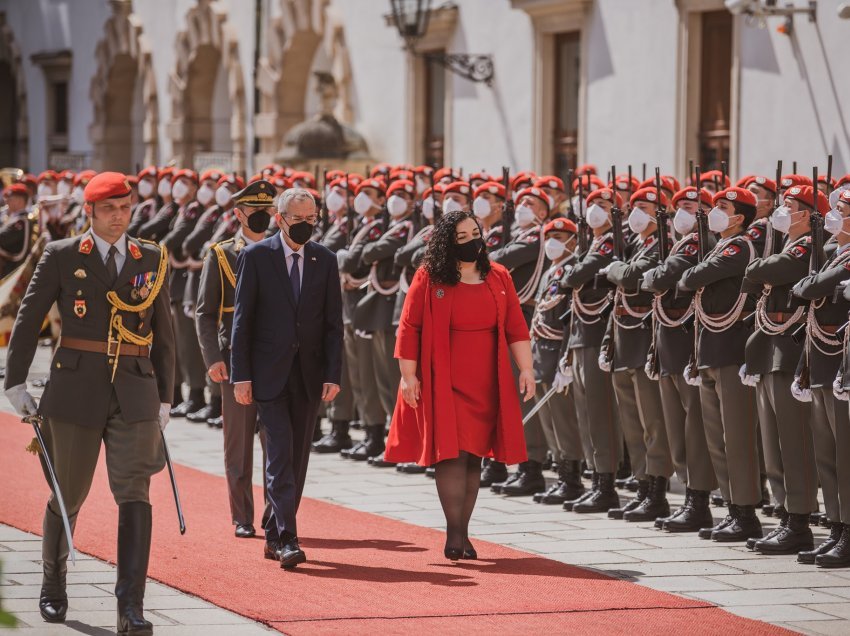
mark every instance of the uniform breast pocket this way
{"type": "Point", "coordinates": [145, 366]}
{"type": "Point", "coordinates": [66, 360]}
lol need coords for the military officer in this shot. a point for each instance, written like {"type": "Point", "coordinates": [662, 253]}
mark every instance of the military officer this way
{"type": "Point", "coordinates": [728, 405]}
{"type": "Point", "coordinates": [117, 350]}
{"type": "Point", "coordinates": [214, 321]}
{"type": "Point", "coordinates": [16, 229]}
{"type": "Point", "coordinates": [488, 205]}
{"type": "Point", "coordinates": [149, 201]}
{"type": "Point", "coordinates": [159, 225]}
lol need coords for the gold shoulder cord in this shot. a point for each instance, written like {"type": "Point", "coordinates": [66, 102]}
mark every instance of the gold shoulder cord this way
{"type": "Point", "coordinates": [224, 271]}
{"type": "Point", "coordinates": [118, 333]}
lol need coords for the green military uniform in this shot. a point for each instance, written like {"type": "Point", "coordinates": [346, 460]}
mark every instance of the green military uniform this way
{"type": "Point", "coordinates": [142, 213]}
{"type": "Point", "coordinates": [15, 241]}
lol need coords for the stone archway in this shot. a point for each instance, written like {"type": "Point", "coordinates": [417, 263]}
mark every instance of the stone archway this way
{"type": "Point", "coordinates": [14, 122]}
{"type": "Point", "coordinates": [124, 132]}
{"type": "Point", "coordinates": [207, 59]}
{"type": "Point", "coordinates": [284, 73]}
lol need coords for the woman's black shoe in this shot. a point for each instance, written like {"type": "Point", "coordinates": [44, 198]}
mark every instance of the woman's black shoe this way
{"type": "Point", "coordinates": [469, 552]}
{"type": "Point", "coordinates": [453, 554]}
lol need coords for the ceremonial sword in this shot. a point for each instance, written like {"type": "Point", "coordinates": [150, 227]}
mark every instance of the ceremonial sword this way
{"type": "Point", "coordinates": [539, 405]}
{"type": "Point", "coordinates": [180, 518]}
{"type": "Point", "coordinates": [35, 421]}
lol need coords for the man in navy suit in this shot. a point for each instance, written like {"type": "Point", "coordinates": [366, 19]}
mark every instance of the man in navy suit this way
{"type": "Point", "coordinates": [287, 351]}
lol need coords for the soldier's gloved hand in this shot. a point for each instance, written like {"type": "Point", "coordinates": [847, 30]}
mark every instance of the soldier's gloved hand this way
{"type": "Point", "coordinates": [189, 310]}
{"type": "Point", "coordinates": [799, 393]}
{"type": "Point", "coordinates": [164, 415]}
{"type": "Point", "coordinates": [839, 392]}
{"type": "Point", "coordinates": [691, 377]}
{"type": "Point", "coordinates": [604, 363]}
{"type": "Point", "coordinates": [747, 379]}
{"type": "Point", "coordinates": [23, 403]}
{"type": "Point", "coordinates": [562, 380]}
{"type": "Point", "coordinates": [341, 255]}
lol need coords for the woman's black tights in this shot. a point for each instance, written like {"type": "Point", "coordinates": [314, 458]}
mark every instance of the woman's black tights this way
{"type": "Point", "coordinates": [458, 481]}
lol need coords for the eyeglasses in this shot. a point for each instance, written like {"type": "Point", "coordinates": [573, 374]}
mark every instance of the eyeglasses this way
{"type": "Point", "coordinates": [292, 220]}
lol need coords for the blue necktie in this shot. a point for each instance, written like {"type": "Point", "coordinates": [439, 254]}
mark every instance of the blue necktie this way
{"type": "Point", "coordinates": [295, 277]}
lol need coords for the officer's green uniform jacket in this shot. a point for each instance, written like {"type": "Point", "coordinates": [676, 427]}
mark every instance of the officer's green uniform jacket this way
{"type": "Point", "coordinates": [374, 312]}
{"type": "Point", "coordinates": [587, 330]}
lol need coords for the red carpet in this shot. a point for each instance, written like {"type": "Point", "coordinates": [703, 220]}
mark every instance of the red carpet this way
{"type": "Point", "coordinates": [365, 573]}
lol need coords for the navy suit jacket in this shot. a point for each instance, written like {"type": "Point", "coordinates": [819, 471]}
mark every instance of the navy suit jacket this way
{"type": "Point", "coordinates": [269, 329]}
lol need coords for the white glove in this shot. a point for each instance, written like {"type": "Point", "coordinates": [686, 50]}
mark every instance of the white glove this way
{"type": "Point", "coordinates": [746, 379]}
{"type": "Point", "coordinates": [839, 392]}
{"type": "Point", "coordinates": [189, 310]}
{"type": "Point", "coordinates": [23, 403]}
{"type": "Point", "coordinates": [696, 380]}
{"type": "Point", "coordinates": [604, 363]}
{"type": "Point", "coordinates": [799, 393]}
{"type": "Point", "coordinates": [604, 271]}
{"type": "Point", "coordinates": [562, 380]}
{"type": "Point", "coordinates": [164, 415]}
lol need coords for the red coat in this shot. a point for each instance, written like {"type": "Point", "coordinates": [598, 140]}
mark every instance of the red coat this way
{"type": "Point", "coordinates": [423, 335]}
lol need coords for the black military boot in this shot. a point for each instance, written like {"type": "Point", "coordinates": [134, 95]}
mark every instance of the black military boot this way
{"type": "Point", "coordinates": [634, 502]}
{"type": "Point", "coordinates": [211, 410]}
{"type": "Point", "coordinates": [53, 599]}
{"type": "Point", "coordinates": [371, 446]}
{"type": "Point", "coordinates": [660, 521]}
{"type": "Point", "coordinates": [745, 524]}
{"type": "Point", "coordinates": [602, 499]}
{"type": "Point", "coordinates": [410, 468]}
{"type": "Point", "coordinates": [493, 472]}
{"type": "Point", "coordinates": [530, 481]}
{"type": "Point", "coordinates": [335, 441]}
{"type": "Point", "coordinates": [551, 490]}
{"type": "Point", "coordinates": [838, 556]}
{"type": "Point", "coordinates": [706, 532]}
{"type": "Point", "coordinates": [808, 556]}
{"type": "Point", "coordinates": [195, 403]}
{"type": "Point", "coordinates": [497, 486]}
{"type": "Point", "coordinates": [654, 505]}
{"type": "Point", "coordinates": [783, 521]}
{"type": "Point", "coordinates": [379, 462]}
{"type": "Point", "coordinates": [794, 537]}
{"type": "Point", "coordinates": [694, 515]}
{"type": "Point", "coordinates": [594, 486]}
{"type": "Point", "coordinates": [134, 547]}
{"type": "Point", "coordinates": [569, 484]}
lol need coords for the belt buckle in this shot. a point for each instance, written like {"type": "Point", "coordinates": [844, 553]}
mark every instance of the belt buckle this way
{"type": "Point", "coordinates": [109, 350]}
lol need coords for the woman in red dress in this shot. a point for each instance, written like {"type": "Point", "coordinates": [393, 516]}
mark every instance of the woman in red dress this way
{"type": "Point", "coordinates": [458, 400]}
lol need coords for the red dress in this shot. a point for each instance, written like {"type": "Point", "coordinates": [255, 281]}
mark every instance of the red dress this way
{"type": "Point", "coordinates": [460, 336]}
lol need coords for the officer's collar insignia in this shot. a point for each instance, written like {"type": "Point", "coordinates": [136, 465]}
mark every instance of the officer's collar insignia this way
{"type": "Point", "coordinates": [86, 244]}
{"type": "Point", "coordinates": [135, 252]}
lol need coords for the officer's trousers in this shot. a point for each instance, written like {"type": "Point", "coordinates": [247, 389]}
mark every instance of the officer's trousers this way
{"type": "Point", "coordinates": [560, 425]}
{"type": "Point", "coordinates": [361, 362]}
{"type": "Point", "coordinates": [831, 432]}
{"type": "Point", "coordinates": [387, 371]}
{"type": "Point", "coordinates": [596, 410]}
{"type": "Point", "coordinates": [192, 367]}
{"type": "Point", "coordinates": [342, 408]}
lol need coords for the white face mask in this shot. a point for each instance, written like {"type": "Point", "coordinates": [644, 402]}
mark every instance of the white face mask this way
{"type": "Point", "coordinates": [481, 208]}
{"type": "Point", "coordinates": [835, 194]}
{"type": "Point", "coordinates": [44, 190]}
{"type": "Point", "coordinates": [596, 216]}
{"type": "Point", "coordinates": [718, 221]}
{"type": "Point", "coordinates": [163, 189]}
{"type": "Point", "coordinates": [639, 220]}
{"type": "Point", "coordinates": [397, 206]}
{"type": "Point", "coordinates": [554, 248]}
{"type": "Point", "coordinates": [579, 206]}
{"type": "Point", "coordinates": [63, 188]}
{"type": "Point", "coordinates": [683, 221]}
{"type": "Point", "coordinates": [179, 190]}
{"type": "Point", "coordinates": [145, 188]}
{"type": "Point", "coordinates": [421, 185]}
{"type": "Point", "coordinates": [206, 194]}
{"type": "Point", "coordinates": [525, 216]}
{"type": "Point", "coordinates": [428, 208]}
{"type": "Point", "coordinates": [781, 219]}
{"type": "Point", "coordinates": [335, 201]}
{"type": "Point", "coordinates": [362, 203]}
{"type": "Point", "coordinates": [452, 206]}
{"type": "Point", "coordinates": [77, 195]}
{"type": "Point", "coordinates": [223, 195]}
{"type": "Point", "coordinates": [833, 222]}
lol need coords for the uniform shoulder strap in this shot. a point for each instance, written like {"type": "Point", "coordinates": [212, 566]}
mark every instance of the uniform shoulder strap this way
{"type": "Point", "coordinates": [223, 265]}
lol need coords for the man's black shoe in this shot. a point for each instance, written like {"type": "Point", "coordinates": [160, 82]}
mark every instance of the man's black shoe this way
{"type": "Point", "coordinates": [634, 502]}
{"type": "Point", "coordinates": [335, 441]}
{"type": "Point", "coordinates": [795, 536]}
{"type": "Point", "coordinates": [839, 556]}
{"type": "Point", "coordinates": [410, 468]}
{"type": "Point", "coordinates": [530, 481]}
{"type": "Point", "coordinates": [602, 499]}
{"type": "Point", "coordinates": [380, 462]}
{"type": "Point", "coordinates": [271, 550]}
{"type": "Point", "coordinates": [745, 525]}
{"type": "Point", "coordinates": [291, 554]}
{"type": "Point", "coordinates": [493, 472]}
{"type": "Point", "coordinates": [245, 531]}
{"type": "Point", "coordinates": [694, 515]}
{"type": "Point", "coordinates": [809, 556]}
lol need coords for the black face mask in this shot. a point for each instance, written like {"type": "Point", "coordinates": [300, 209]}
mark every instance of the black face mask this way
{"type": "Point", "coordinates": [258, 222]}
{"type": "Point", "coordinates": [468, 252]}
{"type": "Point", "coordinates": [300, 232]}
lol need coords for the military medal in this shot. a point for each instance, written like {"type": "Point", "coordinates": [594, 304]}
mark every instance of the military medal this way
{"type": "Point", "coordinates": [134, 294]}
{"type": "Point", "coordinates": [80, 308]}
{"type": "Point", "coordinates": [80, 273]}
{"type": "Point", "coordinates": [144, 292]}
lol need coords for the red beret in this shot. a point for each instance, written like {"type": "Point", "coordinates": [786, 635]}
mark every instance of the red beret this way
{"type": "Point", "coordinates": [230, 179]}
{"type": "Point", "coordinates": [789, 180]}
{"type": "Point", "coordinates": [763, 182]}
{"type": "Point", "coordinates": [279, 180]}
{"type": "Point", "coordinates": [844, 197]}
{"type": "Point", "coordinates": [106, 185]}
{"type": "Point", "coordinates": [690, 194]}
{"type": "Point", "coordinates": [559, 225]}
{"type": "Point", "coordinates": [459, 187]}
{"type": "Point", "coordinates": [377, 184]}
{"type": "Point", "coordinates": [165, 173]}
{"type": "Point", "coordinates": [211, 175]}
{"type": "Point", "coordinates": [480, 176]}
{"type": "Point", "coordinates": [843, 181]}
{"type": "Point", "coordinates": [66, 174]}
{"type": "Point", "coordinates": [492, 187]}
{"type": "Point", "coordinates": [256, 177]}
{"type": "Point", "coordinates": [443, 172]}
{"type": "Point", "coordinates": [341, 182]}
{"type": "Point", "coordinates": [822, 179]}
{"type": "Point", "coordinates": [380, 169]}
{"type": "Point", "coordinates": [402, 185]}
{"type": "Point", "coordinates": [623, 183]}
{"type": "Point", "coordinates": [606, 194]}
{"type": "Point", "coordinates": [735, 194]}
{"type": "Point", "coordinates": [667, 183]}
{"type": "Point", "coordinates": [439, 188]}
{"type": "Point", "coordinates": [16, 188]}
{"type": "Point", "coordinates": [714, 176]}
{"type": "Point", "coordinates": [535, 192]}
{"type": "Point", "coordinates": [552, 182]}
{"type": "Point", "coordinates": [47, 175]}
{"type": "Point", "coordinates": [271, 167]}
{"type": "Point", "coordinates": [521, 178]}
{"type": "Point", "coordinates": [133, 180]}
{"type": "Point", "coordinates": [185, 173]}
{"type": "Point", "coordinates": [314, 193]}
{"type": "Point", "coordinates": [150, 171]}
{"type": "Point", "coordinates": [423, 170]}
{"type": "Point", "coordinates": [29, 179]}
{"type": "Point", "coordinates": [586, 168]}
{"type": "Point", "coordinates": [588, 182]}
{"type": "Point", "coordinates": [334, 174]}
{"type": "Point", "coordinates": [744, 181]}
{"type": "Point", "coordinates": [804, 194]}
{"type": "Point", "coordinates": [401, 174]}
{"type": "Point", "coordinates": [650, 195]}
{"type": "Point", "coordinates": [84, 177]}
{"type": "Point", "coordinates": [354, 179]}
{"type": "Point", "coordinates": [303, 175]}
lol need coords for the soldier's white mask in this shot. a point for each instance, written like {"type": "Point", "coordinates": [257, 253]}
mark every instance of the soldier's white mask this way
{"type": "Point", "coordinates": [684, 221]}
{"type": "Point", "coordinates": [452, 206]}
{"type": "Point", "coordinates": [163, 188]}
{"type": "Point", "coordinates": [396, 206]}
{"type": "Point", "coordinates": [781, 219]}
{"type": "Point", "coordinates": [206, 194]}
{"type": "Point", "coordinates": [428, 208]}
{"type": "Point", "coordinates": [44, 190]}
{"type": "Point", "coordinates": [596, 216]}
{"type": "Point", "coordinates": [639, 220]}
{"type": "Point", "coordinates": [833, 222]}
{"type": "Point", "coordinates": [179, 190]}
{"type": "Point", "coordinates": [554, 248]}
{"type": "Point", "coordinates": [525, 216]}
{"type": "Point", "coordinates": [63, 188]}
{"type": "Point", "coordinates": [362, 203]}
{"type": "Point", "coordinates": [718, 220]}
{"type": "Point", "coordinates": [77, 195]}
{"type": "Point", "coordinates": [335, 201]}
{"type": "Point", "coordinates": [145, 188]}
{"type": "Point", "coordinates": [223, 195]}
{"type": "Point", "coordinates": [481, 208]}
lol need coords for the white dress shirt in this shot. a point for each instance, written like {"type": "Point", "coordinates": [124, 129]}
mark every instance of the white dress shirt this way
{"type": "Point", "coordinates": [288, 252]}
{"type": "Point", "coordinates": [103, 250]}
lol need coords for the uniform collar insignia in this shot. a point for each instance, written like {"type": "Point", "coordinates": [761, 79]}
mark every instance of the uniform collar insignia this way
{"type": "Point", "coordinates": [86, 244]}
{"type": "Point", "coordinates": [134, 250]}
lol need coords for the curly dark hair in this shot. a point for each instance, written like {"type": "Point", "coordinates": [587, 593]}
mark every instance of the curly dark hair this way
{"type": "Point", "coordinates": [441, 256]}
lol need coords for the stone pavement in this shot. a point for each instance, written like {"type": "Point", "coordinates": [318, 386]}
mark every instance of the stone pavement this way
{"type": "Point", "coordinates": [774, 589]}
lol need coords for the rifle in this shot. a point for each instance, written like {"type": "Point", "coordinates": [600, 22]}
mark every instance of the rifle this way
{"type": "Point", "coordinates": [508, 210]}
{"type": "Point", "coordinates": [326, 220]}
{"type": "Point", "coordinates": [617, 222]}
{"type": "Point", "coordinates": [816, 221]}
{"type": "Point", "coordinates": [661, 218]}
{"type": "Point", "coordinates": [772, 239]}
{"type": "Point", "coordinates": [723, 173]}
{"type": "Point", "coordinates": [691, 370]}
{"type": "Point", "coordinates": [349, 218]}
{"type": "Point", "coordinates": [581, 220]}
